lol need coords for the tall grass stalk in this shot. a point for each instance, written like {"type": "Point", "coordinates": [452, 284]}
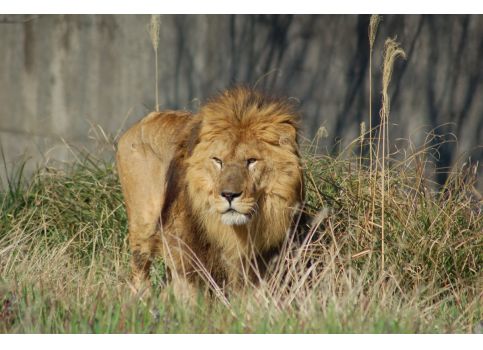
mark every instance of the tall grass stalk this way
{"type": "Point", "coordinates": [373, 25]}
{"type": "Point", "coordinates": [372, 31]}
{"type": "Point", "coordinates": [362, 133]}
{"type": "Point", "coordinates": [392, 50]}
{"type": "Point", "coordinates": [154, 28]}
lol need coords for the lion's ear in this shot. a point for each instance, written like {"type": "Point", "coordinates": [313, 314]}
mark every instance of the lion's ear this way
{"type": "Point", "coordinates": [284, 140]}
{"type": "Point", "coordinates": [193, 137]}
{"type": "Point", "coordinates": [288, 135]}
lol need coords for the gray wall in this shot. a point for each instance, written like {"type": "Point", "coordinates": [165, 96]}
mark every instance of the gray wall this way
{"type": "Point", "coordinates": [59, 75]}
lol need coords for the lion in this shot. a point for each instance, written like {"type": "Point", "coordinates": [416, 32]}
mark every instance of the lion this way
{"type": "Point", "coordinates": [214, 193]}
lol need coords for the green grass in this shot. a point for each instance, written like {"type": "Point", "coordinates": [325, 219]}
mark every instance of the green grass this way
{"type": "Point", "coordinates": [64, 259]}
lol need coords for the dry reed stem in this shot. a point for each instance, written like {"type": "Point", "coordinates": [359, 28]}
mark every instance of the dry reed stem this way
{"type": "Point", "coordinates": [154, 32]}
{"type": "Point", "coordinates": [391, 51]}
{"type": "Point", "coordinates": [362, 133]}
{"type": "Point", "coordinates": [373, 25]}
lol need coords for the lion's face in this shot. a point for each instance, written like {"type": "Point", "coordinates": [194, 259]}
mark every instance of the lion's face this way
{"type": "Point", "coordinates": [240, 163]}
{"type": "Point", "coordinates": [237, 178]}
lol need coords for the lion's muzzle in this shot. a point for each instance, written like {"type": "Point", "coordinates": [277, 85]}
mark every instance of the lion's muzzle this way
{"type": "Point", "coordinates": [232, 205]}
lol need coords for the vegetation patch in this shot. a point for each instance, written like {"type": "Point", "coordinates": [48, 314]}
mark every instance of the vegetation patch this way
{"type": "Point", "coordinates": [64, 260]}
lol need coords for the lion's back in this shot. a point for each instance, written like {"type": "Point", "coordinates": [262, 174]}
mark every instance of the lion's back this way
{"type": "Point", "coordinates": [144, 154]}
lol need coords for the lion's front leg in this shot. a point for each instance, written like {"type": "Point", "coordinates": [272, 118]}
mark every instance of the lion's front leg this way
{"type": "Point", "coordinates": [185, 267]}
{"type": "Point", "coordinates": [143, 251]}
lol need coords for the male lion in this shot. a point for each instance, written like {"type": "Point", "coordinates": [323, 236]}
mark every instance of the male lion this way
{"type": "Point", "coordinates": [214, 193]}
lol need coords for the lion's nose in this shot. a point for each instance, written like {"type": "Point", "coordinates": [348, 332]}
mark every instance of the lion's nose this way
{"type": "Point", "coordinates": [229, 196]}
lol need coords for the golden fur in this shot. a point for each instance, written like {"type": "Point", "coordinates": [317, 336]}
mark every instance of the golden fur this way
{"type": "Point", "coordinates": [214, 193]}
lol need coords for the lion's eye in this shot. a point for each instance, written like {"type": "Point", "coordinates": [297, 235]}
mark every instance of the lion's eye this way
{"type": "Point", "coordinates": [217, 161]}
{"type": "Point", "coordinates": [251, 161]}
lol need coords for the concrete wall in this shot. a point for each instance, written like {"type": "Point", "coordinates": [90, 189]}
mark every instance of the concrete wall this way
{"type": "Point", "coordinates": [60, 75]}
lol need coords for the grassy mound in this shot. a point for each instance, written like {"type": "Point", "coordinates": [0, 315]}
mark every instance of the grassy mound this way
{"type": "Point", "coordinates": [64, 260]}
